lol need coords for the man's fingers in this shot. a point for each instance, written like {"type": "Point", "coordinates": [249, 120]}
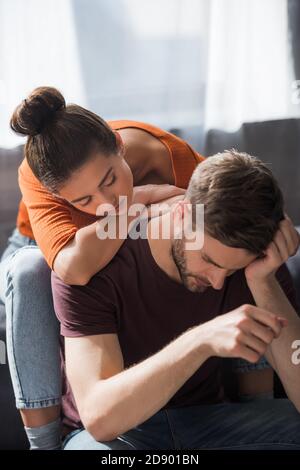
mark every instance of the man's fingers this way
{"type": "Point", "coordinates": [266, 318]}
{"type": "Point", "coordinates": [296, 239]}
{"type": "Point", "coordinates": [256, 344]}
{"type": "Point", "coordinates": [248, 354]}
{"type": "Point", "coordinates": [244, 352]}
{"type": "Point", "coordinates": [283, 321]}
{"type": "Point", "coordinates": [291, 235]}
{"type": "Point", "coordinates": [264, 333]}
{"type": "Point", "coordinates": [273, 254]}
{"type": "Point", "coordinates": [282, 244]}
{"type": "Point", "coordinates": [295, 235]}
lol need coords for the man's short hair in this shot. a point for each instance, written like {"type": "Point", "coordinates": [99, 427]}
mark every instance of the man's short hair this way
{"type": "Point", "coordinates": [243, 203]}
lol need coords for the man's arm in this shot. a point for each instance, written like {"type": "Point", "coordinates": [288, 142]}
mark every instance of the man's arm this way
{"type": "Point", "coordinates": [269, 295]}
{"type": "Point", "coordinates": [279, 354]}
{"type": "Point", "coordinates": [111, 400]}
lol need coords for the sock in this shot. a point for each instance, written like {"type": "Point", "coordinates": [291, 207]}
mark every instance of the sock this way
{"type": "Point", "coordinates": [47, 437]}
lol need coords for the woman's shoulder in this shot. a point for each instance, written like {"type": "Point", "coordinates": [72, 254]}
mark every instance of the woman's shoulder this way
{"type": "Point", "coordinates": [146, 151]}
{"type": "Point", "coordinates": [138, 125]}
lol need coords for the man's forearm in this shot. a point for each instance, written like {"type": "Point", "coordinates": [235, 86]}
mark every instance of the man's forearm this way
{"type": "Point", "coordinates": [270, 296]}
{"type": "Point", "coordinates": [127, 399]}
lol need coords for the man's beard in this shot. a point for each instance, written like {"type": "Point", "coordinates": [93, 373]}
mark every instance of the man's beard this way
{"type": "Point", "coordinates": [178, 254]}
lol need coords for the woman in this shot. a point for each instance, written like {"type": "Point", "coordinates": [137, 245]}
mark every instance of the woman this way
{"type": "Point", "coordinates": [74, 162]}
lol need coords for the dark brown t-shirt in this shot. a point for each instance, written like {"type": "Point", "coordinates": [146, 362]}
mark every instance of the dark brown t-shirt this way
{"type": "Point", "coordinates": [138, 301]}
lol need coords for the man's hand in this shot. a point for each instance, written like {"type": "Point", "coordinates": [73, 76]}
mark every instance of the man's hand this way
{"type": "Point", "coordinates": [246, 332]}
{"type": "Point", "coordinates": [284, 245]}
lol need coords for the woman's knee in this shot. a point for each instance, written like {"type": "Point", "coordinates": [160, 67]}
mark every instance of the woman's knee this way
{"type": "Point", "coordinates": [28, 292]}
{"type": "Point", "coordinates": [28, 269]}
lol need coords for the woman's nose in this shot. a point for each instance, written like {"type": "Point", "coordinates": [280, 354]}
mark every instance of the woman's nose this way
{"type": "Point", "coordinates": [107, 197]}
{"type": "Point", "coordinates": [102, 201]}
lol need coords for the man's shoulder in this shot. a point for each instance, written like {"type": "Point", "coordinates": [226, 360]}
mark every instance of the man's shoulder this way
{"type": "Point", "coordinates": [120, 266]}
{"type": "Point", "coordinates": [120, 271]}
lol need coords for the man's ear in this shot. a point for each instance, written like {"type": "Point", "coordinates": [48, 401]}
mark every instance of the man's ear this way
{"type": "Point", "coordinates": [179, 212]}
{"type": "Point", "coordinates": [181, 208]}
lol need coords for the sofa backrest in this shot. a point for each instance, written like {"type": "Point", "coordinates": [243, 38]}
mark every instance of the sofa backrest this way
{"type": "Point", "coordinates": [277, 143]}
{"type": "Point", "coordinates": [10, 195]}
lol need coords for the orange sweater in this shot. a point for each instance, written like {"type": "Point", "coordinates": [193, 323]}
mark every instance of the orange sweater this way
{"type": "Point", "coordinates": [52, 222]}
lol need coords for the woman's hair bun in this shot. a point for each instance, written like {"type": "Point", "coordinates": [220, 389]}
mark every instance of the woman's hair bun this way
{"type": "Point", "coordinates": [36, 111]}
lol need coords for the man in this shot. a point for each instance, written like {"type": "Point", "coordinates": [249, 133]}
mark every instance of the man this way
{"type": "Point", "coordinates": [144, 340]}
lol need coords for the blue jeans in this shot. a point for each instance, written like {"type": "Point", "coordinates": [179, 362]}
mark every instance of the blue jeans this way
{"type": "Point", "coordinates": [31, 325]}
{"type": "Point", "coordinates": [33, 329]}
{"type": "Point", "coordinates": [267, 425]}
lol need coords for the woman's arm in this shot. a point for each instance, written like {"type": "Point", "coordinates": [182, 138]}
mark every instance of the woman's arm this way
{"type": "Point", "coordinates": [71, 249]}
{"type": "Point", "coordinates": [86, 254]}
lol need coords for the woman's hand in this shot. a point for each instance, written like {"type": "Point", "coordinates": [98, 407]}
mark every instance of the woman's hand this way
{"type": "Point", "coordinates": [154, 193]}
{"type": "Point", "coordinates": [158, 198]}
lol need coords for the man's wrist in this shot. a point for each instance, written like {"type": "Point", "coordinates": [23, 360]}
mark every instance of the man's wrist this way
{"type": "Point", "coordinates": [204, 342]}
{"type": "Point", "coordinates": [266, 282]}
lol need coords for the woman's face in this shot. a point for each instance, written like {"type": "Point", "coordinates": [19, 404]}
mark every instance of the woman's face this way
{"type": "Point", "coordinates": [101, 180]}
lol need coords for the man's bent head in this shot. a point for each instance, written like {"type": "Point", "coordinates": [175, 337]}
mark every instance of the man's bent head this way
{"type": "Point", "coordinates": [243, 206]}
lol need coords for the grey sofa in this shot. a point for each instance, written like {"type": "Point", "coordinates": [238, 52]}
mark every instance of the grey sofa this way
{"type": "Point", "coordinates": [11, 432]}
{"type": "Point", "coordinates": [277, 143]}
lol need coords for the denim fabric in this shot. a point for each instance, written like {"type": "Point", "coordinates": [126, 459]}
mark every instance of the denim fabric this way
{"type": "Point", "coordinates": [32, 328]}
{"type": "Point", "coordinates": [241, 366]}
{"type": "Point", "coordinates": [267, 425]}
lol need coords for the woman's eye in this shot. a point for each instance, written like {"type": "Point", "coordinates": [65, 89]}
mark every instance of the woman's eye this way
{"type": "Point", "coordinates": [112, 180]}
{"type": "Point", "coordinates": [204, 259]}
{"type": "Point", "coordinates": [88, 200]}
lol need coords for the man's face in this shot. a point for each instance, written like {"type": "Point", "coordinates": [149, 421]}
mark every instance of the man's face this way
{"type": "Point", "coordinates": [208, 267]}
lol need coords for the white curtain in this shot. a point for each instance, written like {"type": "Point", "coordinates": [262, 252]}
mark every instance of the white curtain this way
{"type": "Point", "coordinates": [175, 63]}
{"type": "Point", "coordinates": [144, 59]}
{"type": "Point", "coordinates": [38, 46]}
{"type": "Point", "coordinates": [249, 67]}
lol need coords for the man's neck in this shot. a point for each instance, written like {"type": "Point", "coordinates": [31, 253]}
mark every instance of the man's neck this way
{"type": "Point", "coordinates": [161, 247]}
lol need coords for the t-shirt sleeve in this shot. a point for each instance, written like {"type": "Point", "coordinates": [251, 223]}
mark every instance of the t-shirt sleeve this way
{"type": "Point", "coordinates": [85, 310]}
{"type": "Point", "coordinates": [50, 217]}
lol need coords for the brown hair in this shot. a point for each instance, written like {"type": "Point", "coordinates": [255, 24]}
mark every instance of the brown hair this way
{"type": "Point", "coordinates": [61, 138]}
{"type": "Point", "coordinates": [243, 203]}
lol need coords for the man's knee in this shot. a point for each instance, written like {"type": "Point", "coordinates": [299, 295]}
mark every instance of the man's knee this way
{"type": "Point", "coordinates": [82, 440]}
